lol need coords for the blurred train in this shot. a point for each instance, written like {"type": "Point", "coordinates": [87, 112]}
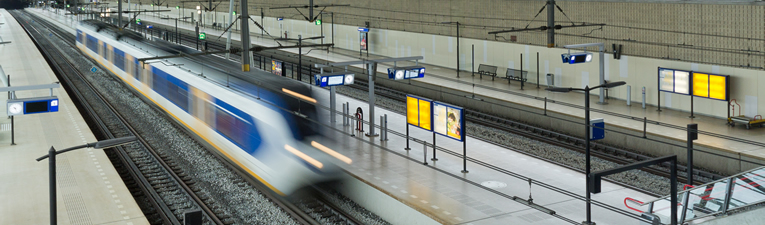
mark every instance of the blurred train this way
{"type": "Point", "coordinates": [263, 128]}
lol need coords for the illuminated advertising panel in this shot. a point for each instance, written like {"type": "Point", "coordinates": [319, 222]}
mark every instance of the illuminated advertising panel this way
{"type": "Point", "coordinates": [363, 40]}
{"type": "Point", "coordinates": [674, 81]}
{"type": "Point", "coordinates": [448, 121]}
{"type": "Point", "coordinates": [666, 80]}
{"type": "Point", "coordinates": [682, 82]}
{"type": "Point", "coordinates": [701, 85]}
{"type": "Point", "coordinates": [710, 86]}
{"type": "Point", "coordinates": [418, 111]}
{"type": "Point", "coordinates": [718, 87]}
{"type": "Point", "coordinates": [276, 67]}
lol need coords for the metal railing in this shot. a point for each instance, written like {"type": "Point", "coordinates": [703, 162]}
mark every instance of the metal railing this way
{"type": "Point", "coordinates": [711, 199]}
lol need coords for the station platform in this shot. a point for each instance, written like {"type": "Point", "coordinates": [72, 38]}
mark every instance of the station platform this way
{"type": "Point", "coordinates": [89, 190]}
{"type": "Point", "coordinates": [442, 192]}
{"type": "Point", "coordinates": [721, 139]}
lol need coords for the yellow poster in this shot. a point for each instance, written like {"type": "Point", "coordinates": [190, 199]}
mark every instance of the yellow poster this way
{"type": "Point", "coordinates": [701, 85]}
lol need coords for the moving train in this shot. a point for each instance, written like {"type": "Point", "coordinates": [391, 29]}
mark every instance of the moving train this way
{"type": "Point", "coordinates": [263, 123]}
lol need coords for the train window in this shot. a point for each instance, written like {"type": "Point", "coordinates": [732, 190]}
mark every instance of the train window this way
{"type": "Point", "coordinates": [177, 92]}
{"type": "Point", "coordinates": [92, 43]}
{"type": "Point", "coordinates": [119, 59]}
{"type": "Point", "coordinates": [232, 128]}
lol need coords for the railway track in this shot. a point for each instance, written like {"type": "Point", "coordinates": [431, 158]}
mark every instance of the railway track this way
{"type": "Point", "coordinates": [613, 154]}
{"type": "Point", "coordinates": [157, 182]}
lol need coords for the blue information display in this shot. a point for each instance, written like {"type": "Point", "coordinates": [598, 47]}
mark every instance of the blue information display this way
{"type": "Point", "coordinates": [576, 58]}
{"type": "Point", "coordinates": [333, 79]}
{"type": "Point", "coordinates": [32, 105]}
{"type": "Point", "coordinates": [401, 73]}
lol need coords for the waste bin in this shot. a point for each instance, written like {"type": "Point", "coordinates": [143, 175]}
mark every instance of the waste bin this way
{"type": "Point", "coordinates": [550, 80]}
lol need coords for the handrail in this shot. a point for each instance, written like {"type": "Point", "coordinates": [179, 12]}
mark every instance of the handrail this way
{"type": "Point", "coordinates": [632, 200]}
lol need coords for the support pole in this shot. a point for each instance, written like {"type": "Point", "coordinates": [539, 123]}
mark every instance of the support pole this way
{"type": "Point", "coordinates": [472, 63]}
{"type": "Point", "coordinates": [425, 153]}
{"type": "Point", "coordinates": [464, 155]}
{"type": "Point", "coordinates": [119, 14]}
{"type": "Point", "coordinates": [300, 58]}
{"type": "Point", "coordinates": [332, 102]}
{"type": "Point", "coordinates": [245, 36]}
{"type": "Point", "coordinates": [230, 20]}
{"type": "Point", "coordinates": [458, 51]}
{"type": "Point", "coordinates": [602, 78]}
{"type": "Point", "coordinates": [434, 147]}
{"type": "Point", "coordinates": [407, 138]}
{"type": "Point", "coordinates": [587, 149]}
{"type": "Point", "coordinates": [13, 140]}
{"type": "Point", "coordinates": [537, 70]}
{"type": "Point", "coordinates": [372, 69]}
{"type": "Point", "coordinates": [692, 135]}
{"type": "Point", "coordinates": [52, 184]}
{"type": "Point", "coordinates": [691, 108]}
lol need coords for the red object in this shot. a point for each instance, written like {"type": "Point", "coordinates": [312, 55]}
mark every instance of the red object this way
{"type": "Point", "coordinates": [632, 200]}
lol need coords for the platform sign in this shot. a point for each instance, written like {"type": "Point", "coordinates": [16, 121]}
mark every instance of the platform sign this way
{"type": "Point", "coordinates": [94, 69]}
{"type": "Point", "coordinates": [32, 105]}
{"type": "Point", "coordinates": [401, 73]}
{"type": "Point", "coordinates": [674, 81]}
{"type": "Point", "coordinates": [277, 67]}
{"type": "Point", "coordinates": [448, 120]}
{"type": "Point", "coordinates": [418, 112]}
{"type": "Point", "coordinates": [334, 79]}
{"type": "Point", "coordinates": [711, 86]}
{"type": "Point", "coordinates": [597, 129]}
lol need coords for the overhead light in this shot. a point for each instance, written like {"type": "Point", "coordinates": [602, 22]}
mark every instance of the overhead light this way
{"type": "Point", "coordinates": [331, 152]}
{"type": "Point", "coordinates": [306, 98]}
{"type": "Point", "coordinates": [303, 156]}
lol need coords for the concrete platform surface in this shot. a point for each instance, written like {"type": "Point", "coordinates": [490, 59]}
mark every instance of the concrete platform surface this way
{"type": "Point", "coordinates": [89, 190]}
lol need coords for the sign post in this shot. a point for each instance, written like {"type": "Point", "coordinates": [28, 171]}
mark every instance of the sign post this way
{"type": "Point", "coordinates": [331, 80]}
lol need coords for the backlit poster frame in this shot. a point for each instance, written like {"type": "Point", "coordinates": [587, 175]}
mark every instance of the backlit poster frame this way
{"type": "Point", "coordinates": [448, 120]}
{"type": "Point", "coordinates": [709, 76]}
{"type": "Point", "coordinates": [672, 82]}
{"type": "Point", "coordinates": [421, 103]}
{"type": "Point", "coordinates": [277, 67]}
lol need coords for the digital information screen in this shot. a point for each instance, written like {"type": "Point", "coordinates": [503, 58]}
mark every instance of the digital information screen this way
{"type": "Point", "coordinates": [401, 73]}
{"type": "Point", "coordinates": [41, 106]}
{"type": "Point", "coordinates": [334, 79]}
{"type": "Point", "coordinates": [418, 111]}
{"type": "Point", "coordinates": [710, 86]}
{"type": "Point", "coordinates": [448, 120]}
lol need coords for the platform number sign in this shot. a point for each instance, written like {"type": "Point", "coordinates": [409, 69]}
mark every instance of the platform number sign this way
{"type": "Point", "coordinates": [94, 69]}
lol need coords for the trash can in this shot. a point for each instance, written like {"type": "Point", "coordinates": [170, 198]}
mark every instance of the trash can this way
{"type": "Point", "coordinates": [550, 80]}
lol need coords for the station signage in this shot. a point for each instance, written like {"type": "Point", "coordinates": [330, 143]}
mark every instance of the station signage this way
{"type": "Point", "coordinates": [334, 79]}
{"type": "Point", "coordinates": [401, 73]}
{"type": "Point", "coordinates": [32, 105]}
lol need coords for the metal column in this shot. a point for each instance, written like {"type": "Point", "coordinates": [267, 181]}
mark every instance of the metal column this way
{"type": "Point", "coordinates": [245, 36]}
{"type": "Point", "coordinates": [372, 68]}
{"type": "Point", "coordinates": [550, 23]}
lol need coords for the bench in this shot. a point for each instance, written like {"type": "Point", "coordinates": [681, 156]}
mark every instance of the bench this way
{"type": "Point", "coordinates": [487, 70]}
{"type": "Point", "coordinates": [516, 75]}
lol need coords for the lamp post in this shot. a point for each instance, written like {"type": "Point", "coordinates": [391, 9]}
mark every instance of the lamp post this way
{"type": "Point", "coordinates": [458, 45]}
{"type": "Point", "coordinates": [114, 142]}
{"type": "Point", "coordinates": [586, 90]}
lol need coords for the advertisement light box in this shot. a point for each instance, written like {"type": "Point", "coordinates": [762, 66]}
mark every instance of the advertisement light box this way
{"type": "Point", "coordinates": [674, 81]}
{"type": "Point", "coordinates": [418, 111]}
{"type": "Point", "coordinates": [710, 86]}
{"type": "Point", "coordinates": [448, 120]}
